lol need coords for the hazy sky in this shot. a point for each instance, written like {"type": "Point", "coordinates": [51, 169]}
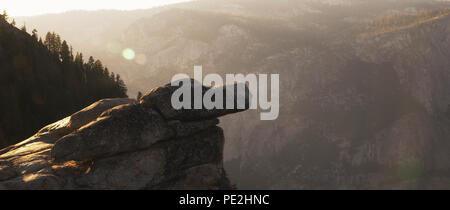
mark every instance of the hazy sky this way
{"type": "Point", "coordinates": [35, 7]}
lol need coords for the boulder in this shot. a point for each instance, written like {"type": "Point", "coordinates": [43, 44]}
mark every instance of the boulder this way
{"type": "Point", "coordinates": [125, 128]}
{"type": "Point", "coordinates": [120, 144]}
{"type": "Point", "coordinates": [54, 131]}
{"type": "Point", "coordinates": [160, 99]}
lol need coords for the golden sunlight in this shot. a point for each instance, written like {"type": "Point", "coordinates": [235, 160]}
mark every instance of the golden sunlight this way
{"type": "Point", "coordinates": [17, 8]}
{"type": "Point", "coordinates": [128, 54]}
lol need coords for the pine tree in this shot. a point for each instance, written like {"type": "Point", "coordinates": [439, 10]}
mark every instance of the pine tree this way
{"type": "Point", "coordinates": [106, 72]}
{"type": "Point", "coordinates": [65, 53]}
{"type": "Point", "coordinates": [79, 60]}
{"type": "Point", "coordinates": [34, 34]}
{"type": "Point", "coordinates": [53, 43]}
{"type": "Point", "coordinates": [24, 28]}
{"type": "Point", "coordinates": [121, 85]}
{"type": "Point", "coordinates": [91, 62]}
{"type": "Point", "coordinates": [4, 16]}
{"type": "Point", "coordinates": [58, 43]}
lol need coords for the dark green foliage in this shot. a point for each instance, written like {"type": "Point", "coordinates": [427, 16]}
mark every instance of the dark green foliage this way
{"type": "Point", "coordinates": [42, 82]}
{"type": "Point", "coordinates": [4, 16]}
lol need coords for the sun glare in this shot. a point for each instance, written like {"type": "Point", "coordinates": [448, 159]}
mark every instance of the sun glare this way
{"type": "Point", "coordinates": [128, 54]}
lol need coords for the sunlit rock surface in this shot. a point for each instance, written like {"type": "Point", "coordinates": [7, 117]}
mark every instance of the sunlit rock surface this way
{"type": "Point", "coordinates": [119, 144]}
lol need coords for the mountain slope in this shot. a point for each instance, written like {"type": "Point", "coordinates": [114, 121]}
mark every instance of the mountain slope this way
{"type": "Point", "coordinates": [355, 112]}
{"type": "Point", "coordinates": [371, 114]}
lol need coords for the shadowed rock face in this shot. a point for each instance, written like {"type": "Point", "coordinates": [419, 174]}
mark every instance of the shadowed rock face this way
{"type": "Point", "coordinates": [160, 99]}
{"type": "Point", "coordinates": [121, 144]}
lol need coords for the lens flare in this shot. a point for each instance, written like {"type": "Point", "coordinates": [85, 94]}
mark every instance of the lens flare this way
{"type": "Point", "coordinates": [128, 54]}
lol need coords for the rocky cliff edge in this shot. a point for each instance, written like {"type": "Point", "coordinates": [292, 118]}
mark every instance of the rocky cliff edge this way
{"type": "Point", "coordinates": [122, 144]}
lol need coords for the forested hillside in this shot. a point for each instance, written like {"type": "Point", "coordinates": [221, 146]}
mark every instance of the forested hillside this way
{"type": "Point", "coordinates": [42, 80]}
